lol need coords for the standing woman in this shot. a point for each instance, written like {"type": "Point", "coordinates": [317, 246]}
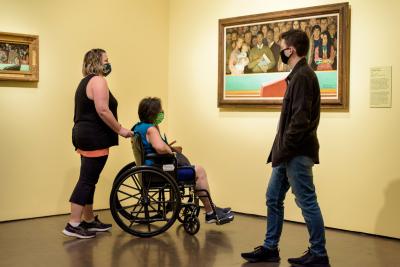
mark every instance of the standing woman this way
{"type": "Point", "coordinates": [96, 129]}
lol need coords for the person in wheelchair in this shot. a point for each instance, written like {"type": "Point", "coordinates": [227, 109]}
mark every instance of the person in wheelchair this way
{"type": "Point", "coordinates": [151, 115]}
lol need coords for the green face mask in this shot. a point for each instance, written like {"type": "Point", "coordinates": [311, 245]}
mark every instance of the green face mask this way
{"type": "Point", "coordinates": [159, 118]}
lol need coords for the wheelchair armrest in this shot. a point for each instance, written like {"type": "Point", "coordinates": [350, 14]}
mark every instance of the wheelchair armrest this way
{"type": "Point", "coordinates": [156, 156]}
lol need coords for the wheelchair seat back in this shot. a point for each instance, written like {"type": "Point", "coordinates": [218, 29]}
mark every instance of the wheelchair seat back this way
{"type": "Point", "coordinates": [137, 148]}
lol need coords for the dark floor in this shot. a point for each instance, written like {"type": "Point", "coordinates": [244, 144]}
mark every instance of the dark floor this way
{"type": "Point", "coordinates": [39, 242]}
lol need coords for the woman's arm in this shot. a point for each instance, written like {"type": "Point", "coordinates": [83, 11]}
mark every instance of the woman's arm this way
{"type": "Point", "coordinates": [98, 91]}
{"type": "Point", "coordinates": [154, 138]}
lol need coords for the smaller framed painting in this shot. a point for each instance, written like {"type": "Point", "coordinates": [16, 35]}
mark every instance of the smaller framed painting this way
{"type": "Point", "coordinates": [19, 57]}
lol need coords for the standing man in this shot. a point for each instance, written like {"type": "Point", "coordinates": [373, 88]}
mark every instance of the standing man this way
{"type": "Point", "coordinates": [294, 152]}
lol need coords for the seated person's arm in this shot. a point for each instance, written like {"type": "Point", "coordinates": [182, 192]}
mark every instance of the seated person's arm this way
{"type": "Point", "coordinates": [154, 138]}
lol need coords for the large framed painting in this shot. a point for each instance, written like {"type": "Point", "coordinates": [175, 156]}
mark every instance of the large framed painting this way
{"type": "Point", "coordinates": [19, 57]}
{"type": "Point", "coordinates": [251, 73]}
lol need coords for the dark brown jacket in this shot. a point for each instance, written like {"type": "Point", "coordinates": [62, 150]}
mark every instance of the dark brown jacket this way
{"type": "Point", "coordinates": [297, 131]}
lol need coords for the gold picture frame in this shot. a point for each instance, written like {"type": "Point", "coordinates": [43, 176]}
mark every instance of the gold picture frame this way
{"type": "Point", "coordinates": [19, 57]}
{"type": "Point", "coordinates": [240, 88]}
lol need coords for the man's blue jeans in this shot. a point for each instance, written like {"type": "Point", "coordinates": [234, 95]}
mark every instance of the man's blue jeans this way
{"type": "Point", "coordinates": [296, 173]}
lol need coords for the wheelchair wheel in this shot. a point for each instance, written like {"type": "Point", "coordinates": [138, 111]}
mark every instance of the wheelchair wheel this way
{"type": "Point", "coordinates": [144, 201]}
{"type": "Point", "coordinates": [181, 215]}
{"type": "Point", "coordinates": [125, 168]}
{"type": "Point", "coordinates": [191, 224]}
{"type": "Point", "coordinates": [188, 210]}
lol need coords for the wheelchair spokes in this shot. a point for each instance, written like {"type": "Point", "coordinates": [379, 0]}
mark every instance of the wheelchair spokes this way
{"type": "Point", "coordinates": [144, 201]}
{"type": "Point", "coordinates": [136, 181]}
{"type": "Point", "coordinates": [128, 196]}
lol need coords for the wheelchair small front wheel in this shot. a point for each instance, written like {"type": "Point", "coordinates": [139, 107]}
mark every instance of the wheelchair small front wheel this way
{"type": "Point", "coordinates": [191, 225]}
{"type": "Point", "coordinates": [185, 211]}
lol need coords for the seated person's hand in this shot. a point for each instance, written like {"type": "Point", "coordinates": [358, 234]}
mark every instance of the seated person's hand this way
{"type": "Point", "coordinates": [177, 149]}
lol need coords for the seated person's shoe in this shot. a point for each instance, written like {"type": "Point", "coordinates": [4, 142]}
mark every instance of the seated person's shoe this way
{"type": "Point", "coordinates": [310, 260]}
{"type": "Point", "coordinates": [262, 253]}
{"type": "Point", "coordinates": [219, 217]}
{"type": "Point", "coordinates": [96, 225]}
{"type": "Point", "coordinates": [223, 210]}
{"type": "Point", "coordinates": [78, 232]}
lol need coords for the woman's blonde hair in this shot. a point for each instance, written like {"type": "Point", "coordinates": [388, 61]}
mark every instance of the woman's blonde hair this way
{"type": "Point", "coordinates": [92, 62]}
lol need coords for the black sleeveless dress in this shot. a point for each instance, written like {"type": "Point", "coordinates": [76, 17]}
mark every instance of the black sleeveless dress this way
{"type": "Point", "coordinates": [89, 131]}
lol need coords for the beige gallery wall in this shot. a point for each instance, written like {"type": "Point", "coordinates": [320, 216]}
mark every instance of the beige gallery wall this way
{"type": "Point", "coordinates": [358, 180]}
{"type": "Point", "coordinates": [39, 167]}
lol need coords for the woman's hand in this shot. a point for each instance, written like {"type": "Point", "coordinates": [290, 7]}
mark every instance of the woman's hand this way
{"type": "Point", "coordinates": [125, 132]}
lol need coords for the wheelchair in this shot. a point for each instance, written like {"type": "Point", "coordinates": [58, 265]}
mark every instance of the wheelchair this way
{"type": "Point", "coordinates": [146, 200]}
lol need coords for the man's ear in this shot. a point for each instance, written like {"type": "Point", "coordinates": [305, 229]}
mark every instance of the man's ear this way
{"type": "Point", "coordinates": [293, 50]}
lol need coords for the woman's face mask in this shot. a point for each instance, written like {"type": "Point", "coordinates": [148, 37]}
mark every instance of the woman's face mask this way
{"type": "Point", "coordinates": [159, 118]}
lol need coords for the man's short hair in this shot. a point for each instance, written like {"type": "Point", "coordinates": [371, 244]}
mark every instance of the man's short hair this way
{"type": "Point", "coordinates": [298, 39]}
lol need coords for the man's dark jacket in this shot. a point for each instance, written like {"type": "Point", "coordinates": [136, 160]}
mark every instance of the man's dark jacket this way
{"type": "Point", "coordinates": [297, 131]}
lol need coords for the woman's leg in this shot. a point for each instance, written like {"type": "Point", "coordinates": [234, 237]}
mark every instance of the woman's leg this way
{"type": "Point", "coordinates": [88, 214]}
{"type": "Point", "coordinates": [202, 183]}
{"type": "Point", "coordinates": [83, 194]}
{"type": "Point", "coordinates": [76, 213]}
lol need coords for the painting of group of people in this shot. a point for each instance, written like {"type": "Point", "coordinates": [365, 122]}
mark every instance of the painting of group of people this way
{"type": "Point", "coordinates": [13, 56]}
{"type": "Point", "coordinates": [255, 48]}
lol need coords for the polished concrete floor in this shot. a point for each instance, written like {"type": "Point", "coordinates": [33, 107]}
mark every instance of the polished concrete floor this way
{"type": "Point", "coordinates": [39, 242]}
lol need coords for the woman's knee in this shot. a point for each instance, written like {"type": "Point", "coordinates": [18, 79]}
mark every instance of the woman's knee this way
{"type": "Point", "coordinates": [200, 171]}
